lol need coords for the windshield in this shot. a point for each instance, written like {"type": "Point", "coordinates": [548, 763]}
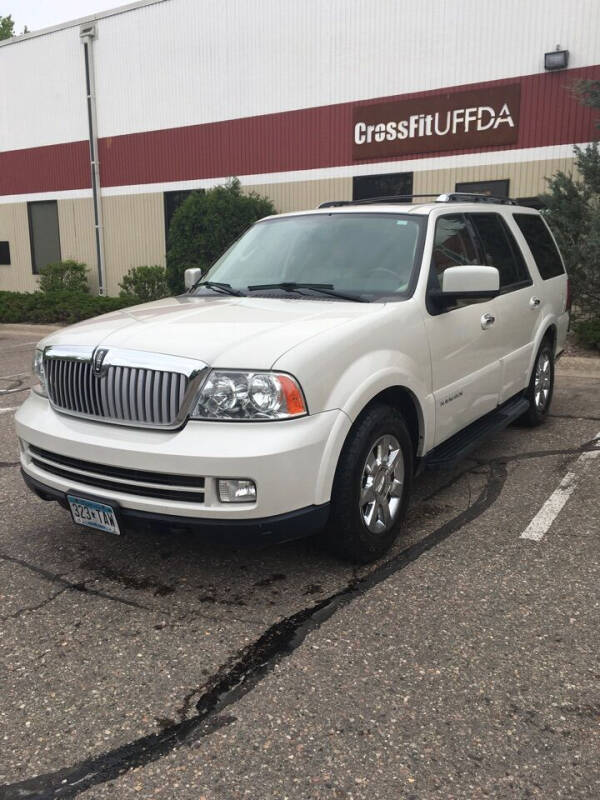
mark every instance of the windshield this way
{"type": "Point", "coordinates": [362, 254]}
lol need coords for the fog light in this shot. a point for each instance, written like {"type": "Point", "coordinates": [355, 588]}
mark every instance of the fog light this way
{"type": "Point", "coordinates": [236, 490]}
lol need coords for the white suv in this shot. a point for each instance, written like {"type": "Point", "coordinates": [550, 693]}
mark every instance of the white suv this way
{"type": "Point", "coordinates": [324, 360]}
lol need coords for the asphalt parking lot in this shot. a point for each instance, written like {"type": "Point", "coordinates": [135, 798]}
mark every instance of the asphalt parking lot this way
{"type": "Point", "coordinates": [464, 666]}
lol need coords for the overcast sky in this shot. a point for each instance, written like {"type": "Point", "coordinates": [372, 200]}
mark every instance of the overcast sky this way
{"type": "Point", "coordinates": [38, 14]}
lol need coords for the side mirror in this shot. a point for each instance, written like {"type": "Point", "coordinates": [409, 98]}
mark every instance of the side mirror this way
{"type": "Point", "coordinates": [191, 276]}
{"type": "Point", "coordinates": [470, 283]}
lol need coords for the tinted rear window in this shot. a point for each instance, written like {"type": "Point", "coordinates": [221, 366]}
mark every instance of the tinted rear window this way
{"type": "Point", "coordinates": [500, 250]}
{"type": "Point", "coordinates": [541, 244]}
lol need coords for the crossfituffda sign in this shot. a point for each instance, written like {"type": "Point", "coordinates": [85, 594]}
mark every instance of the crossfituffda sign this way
{"type": "Point", "coordinates": [461, 120]}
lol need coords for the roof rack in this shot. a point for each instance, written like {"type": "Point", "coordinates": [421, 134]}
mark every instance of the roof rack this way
{"type": "Point", "coordinates": [390, 198]}
{"type": "Point", "coordinates": [451, 197]}
{"type": "Point", "coordinates": [469, 197]}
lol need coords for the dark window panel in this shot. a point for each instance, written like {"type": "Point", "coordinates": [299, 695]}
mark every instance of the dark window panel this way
{"type": "Point", "coordinates": [490, 188]}
{"type": "Point", "coordinates": [365, 187]}
{"type": "Point", "coordinates": [4, 253]}
{"type": "Point", "coordinates": [530, 202]}
{"type": "Point", "coordinates": [44, 235]}
{"type": "Point", "coordinates": [172, 202]}
{"type": "Point", "coordinates": [499, 249]}
{"type": "Point", "coordinates": [541, 244]}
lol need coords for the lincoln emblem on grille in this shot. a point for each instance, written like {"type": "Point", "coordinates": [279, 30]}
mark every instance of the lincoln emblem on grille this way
{"type": "Point", "coordinates": [99, 357]}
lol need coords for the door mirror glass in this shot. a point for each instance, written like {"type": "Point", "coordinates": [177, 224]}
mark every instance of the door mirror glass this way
{"type": "Point", "coordinates": [191, 276]}
{"type": "Point", "coordinates": [470, 283]}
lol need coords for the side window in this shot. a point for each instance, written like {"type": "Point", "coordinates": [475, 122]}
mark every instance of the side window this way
{"type": "Point", "coordinates": [499, 249]}
{"type": "Point", "coordinates": [541, 244]}
{"type": "Point", "coordinates": [453, 245]}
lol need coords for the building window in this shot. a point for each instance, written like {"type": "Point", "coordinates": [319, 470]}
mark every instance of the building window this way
{"type": "Point", "coordinates": [172, 202]}
{"type": "Point", "coordinates": [365, 187]}
{"type": "Point", "coordinates": [44, 236]}
{"type": "Point", "coordinates": [490, 188]}
{"type": "Point", "coordinates": [4, 253]}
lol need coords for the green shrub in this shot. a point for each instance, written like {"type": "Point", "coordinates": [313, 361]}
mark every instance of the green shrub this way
{"type": "Point", "coordinates": [145, 283]}
{"type": "Point", "coordinates": [206, 224]}
{"type": "Point", "coordinates": [588, 332]}
{"type": "Point", "coordinates": [58, 306]}
{"type": "Point", "coordinates": [64, 276]}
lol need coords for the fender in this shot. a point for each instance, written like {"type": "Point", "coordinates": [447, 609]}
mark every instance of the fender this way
{"type": "Point", "coordinates": [361, 383]}
{"type": "Point", "coordinates": [549, 320]}
{"type": "Point", "coordinates": [360, 397]}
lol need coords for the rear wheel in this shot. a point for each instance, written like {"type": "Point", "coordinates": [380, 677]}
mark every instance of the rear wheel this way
{"type": "Point", "coordinates": [371, 486]}
{"type": "Point", "coordinates": [541, 386]}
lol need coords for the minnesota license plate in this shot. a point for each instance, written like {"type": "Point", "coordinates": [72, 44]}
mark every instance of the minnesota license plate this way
{"type": "Point", "coordinates": [93, 515]}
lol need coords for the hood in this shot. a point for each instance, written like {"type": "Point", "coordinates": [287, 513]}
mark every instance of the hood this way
{"type": "Point", "coordinates": [242, 332]}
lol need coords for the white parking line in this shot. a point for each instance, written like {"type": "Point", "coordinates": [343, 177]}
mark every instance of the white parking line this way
{"type": "Point", "coordinates": [542, 521]}
{"type": "Point", "coordinates": [6, 410]}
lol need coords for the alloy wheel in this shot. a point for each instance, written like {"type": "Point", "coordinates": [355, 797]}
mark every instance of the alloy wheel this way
{"type": "Point", "coordinates": [382, 485]}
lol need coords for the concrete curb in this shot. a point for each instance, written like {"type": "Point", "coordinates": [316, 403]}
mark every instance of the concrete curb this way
{"type": "Point", "coordinates": [30, 327]}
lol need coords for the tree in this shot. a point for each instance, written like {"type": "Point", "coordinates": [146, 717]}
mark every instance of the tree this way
{"type": "Point", "coordinates": [7, 27]}
{"type": "Point", "coordinates": [206, 224]}
{"type": "Point", "coordinates": [572, 208]}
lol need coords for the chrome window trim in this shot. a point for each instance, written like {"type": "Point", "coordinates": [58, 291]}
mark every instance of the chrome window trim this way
{"type": "Point", "coordinates": [195, 370]}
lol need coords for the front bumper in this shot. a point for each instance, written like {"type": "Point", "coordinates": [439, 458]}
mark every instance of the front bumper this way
{"type": "Point", "coordinates": [292, 463]}
{"type": "Point", "coordinates": [280, 528]}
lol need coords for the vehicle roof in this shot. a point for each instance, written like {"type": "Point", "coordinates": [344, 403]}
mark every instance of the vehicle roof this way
{"type": "Point", "coordinates": [423, 209]}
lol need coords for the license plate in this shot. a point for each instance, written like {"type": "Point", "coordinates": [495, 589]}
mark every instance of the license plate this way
{"type": "Point", "coordinates": [93, 515]}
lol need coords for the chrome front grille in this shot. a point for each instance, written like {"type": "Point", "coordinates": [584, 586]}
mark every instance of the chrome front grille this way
{"type": "Point", "coordinates": [126, 387]}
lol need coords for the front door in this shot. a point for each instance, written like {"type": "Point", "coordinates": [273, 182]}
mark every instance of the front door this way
{"type": "Point", "coordinates": [464, 340]}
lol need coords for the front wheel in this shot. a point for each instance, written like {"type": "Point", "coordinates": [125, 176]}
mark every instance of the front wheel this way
{"type": "Point", "coordinates": [371, 486]}
{"type": "Point", "coordinates": [541, 386]}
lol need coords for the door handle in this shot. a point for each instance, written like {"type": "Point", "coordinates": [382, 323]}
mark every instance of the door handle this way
{"type": "Point", "coordinates": [487, 320]}
{"type": "Point", "coordinates": [534, 302]}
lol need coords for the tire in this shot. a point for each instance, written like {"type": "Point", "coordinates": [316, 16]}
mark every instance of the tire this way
{"type": "Point", "coordinates": [541, 386]}
{"type": "Point", "coordinates": [371, 487]}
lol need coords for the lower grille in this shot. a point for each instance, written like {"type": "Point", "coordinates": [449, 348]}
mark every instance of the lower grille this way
{"type": "Point", "coordinates": [160, 485]}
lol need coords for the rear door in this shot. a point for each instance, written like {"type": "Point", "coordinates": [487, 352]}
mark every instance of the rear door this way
{"type": "Point", "coordinates": [544, 257]}
{"type": "Point", "coordinates": [517, 314]}
{"type": "Point", "coordinates": [464, 349]}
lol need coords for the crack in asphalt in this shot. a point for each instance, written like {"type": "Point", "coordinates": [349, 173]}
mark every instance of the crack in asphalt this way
{"type": "Point", "coordinates": [26, 609]}
{"type": "Point", "coordinates": [240, 674]}
{"type": "Point", "coordinates": [9, 464]}
{"type": "Point", "coordinates": [70, 585]}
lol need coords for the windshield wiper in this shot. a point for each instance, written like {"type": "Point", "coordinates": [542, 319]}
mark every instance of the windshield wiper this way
{"type": "Point", "coordinates": [223, 288]}
{"type": "Point", "coordinates": [321, 288]}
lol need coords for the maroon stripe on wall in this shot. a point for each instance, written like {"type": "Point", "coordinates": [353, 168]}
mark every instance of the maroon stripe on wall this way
{"type": "Point", "coordinates": [296, 140]}
{"type": "Point", "coordinates": [45, 169]}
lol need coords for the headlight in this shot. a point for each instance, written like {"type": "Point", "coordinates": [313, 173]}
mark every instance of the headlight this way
{"type": "Point", "coordinates": [237, 395]}
{"type": "Point", "coordinates": [38, 371]}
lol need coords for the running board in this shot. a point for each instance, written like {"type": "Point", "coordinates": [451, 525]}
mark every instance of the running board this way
{"type": "Point", "coordinates": [449, 453]}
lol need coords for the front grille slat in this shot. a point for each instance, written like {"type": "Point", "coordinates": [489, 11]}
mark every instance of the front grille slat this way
{"type": "Point", "coordinates": [127, 394]}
